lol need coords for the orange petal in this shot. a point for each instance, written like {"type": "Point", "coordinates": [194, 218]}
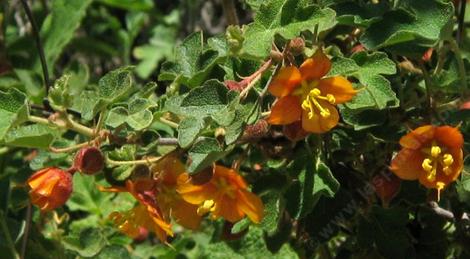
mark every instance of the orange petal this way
{"type": "Point", "coordinates": [186, 215]}
{"type": "Point", "coordinates": [252, 205]}
{"type": "Point", "coordinates": [169, 168]}
{"type": "Point", "coordinates": [319, 124]}
{"type": "Point", "coordinates": [417, 138]}
{"type": "Point", "coordinates": [315, 67]}
{"type": "Point", "coordinates": [339, 87]}
{"type": "Point", "coordinates": [407, 164]}
{"type": "Point", "coordinates": [449, 136]}
{"type": "Point", "coordinates": [227, 208]}
{"type": "Point", "coordinates": [286, 80]}
{"type": "Point", "coordinates": [195, 194]}
{"type": "Point", "coordinates": [233, 177]}
{"type": "Point", "coordinates": [285, 111]}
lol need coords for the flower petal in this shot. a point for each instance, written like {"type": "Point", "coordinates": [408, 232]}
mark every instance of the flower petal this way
{"type": "Point", "coordinates": [227, 208]}
{"type": "Point", "coordinates": [286, 80]}
{"type": "Point", "coordinates": [195, 194]}
{"type": "Point", "coordinates": [251, 204]}
{"type": "Point", "coordinates": [339, 87]}
{"type": "Point", "coordinates": [319, 124]}
{"type": "Point", "coordinates": [417, 138]}
{"type": "Point", "coordinates": [315, 67]}
{"type": "Point", "coordinates": [285, 111]}
{"type": "Point", "coordinates": [449, 136]}
{"type": "Point", "coordinates": [407, 164]}
{"type": "Point", "coordinates": [186, 215]}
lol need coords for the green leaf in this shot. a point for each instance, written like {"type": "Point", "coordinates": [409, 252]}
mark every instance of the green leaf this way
{"type": "Point", "coordinates": [315, 180]}
{"type": "Point", "coordinates": [417, 21]}
{"type": "Point", "coordinates": [31, 136]}
{"type": "Point", "coordinates": [203, 153]}
{"type": "Point", "coordinates": [188, 130]}
{"type": "Point", "coordinates": [159, 48]}
{"type": "Point", "coordinates": [113, 252]}
{"type": "Point", "coordinates": [287, 18]}
{"type": "Point", "coordinates": [87, 243]}
{"type": "Point", "coordinates": [134, 5]}
{"type": "Point", "coordinates": [60, 96]}
{"type": "Point", "coordinates": [273, 207]}
{"type": "Point", "coordinates": [205, 100]}
{"type": "Point", "coordinates": [13, 110]}
{"type": "Point", "coordinates": [85, 196]}
{"type": "Point", "coordinates": [115, 84]}
{"type": "Point", "coordinates": [59, 27]}
{"type": "Point", "coordinates": [355, 14]}
{"type": "Point", "coordinates": [192, 61]}
{"type": "Point", "coordinates": [363, 119]}
{"type": "Point", "coordinates": [368, 69]}
{"type": "Point", "coordinates": [138, 115]}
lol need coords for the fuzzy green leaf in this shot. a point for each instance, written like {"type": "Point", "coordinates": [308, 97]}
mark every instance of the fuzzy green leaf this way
{"type": "Point", "coordinates": [13, 110]}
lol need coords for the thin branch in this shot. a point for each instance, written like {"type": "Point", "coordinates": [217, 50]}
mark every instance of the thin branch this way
{"type": "Point", "coordinates": [133, 162]}
{"type": "Point", "coordinates": [440, 211]}
{"type": "Point", "coordinates": [6, 234]}
{"type": "Point", "coordinates": [169, 123]}
{"type": "Point", "coordinates": [461, 20]}
{"type": "Point", "coordinates": [26, 231]}
{"type": "Point", "coordinates": [39, 46]}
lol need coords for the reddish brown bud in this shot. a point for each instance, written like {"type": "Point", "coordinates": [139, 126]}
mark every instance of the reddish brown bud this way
{"type": "Point", "coordinates": [386, 187]}
{"type": "Point", "coordinates": [235, 86]}
{"type": "Point", "coordinates": [358, 48]}
{"type": "Point", "coordinates": [89, 160]}
{"type": "Point", "coordinates": [297, 46]}
{"type": "Point", "coordinates": [427, 55]}
{"type": "Point", "coordinates": [465, 106]}
{"type": "Point", "coordinates": [257, 130]}
{"type": "Point", "coordinates": [294, 131]}
{"type": "Point", "coordinates": [50, 188]}
{"type": "Point", "coordinates": [142, 236]}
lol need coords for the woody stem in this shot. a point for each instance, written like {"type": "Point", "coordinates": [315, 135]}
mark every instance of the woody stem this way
{"type": "Point", "coordinates": [133, 162]}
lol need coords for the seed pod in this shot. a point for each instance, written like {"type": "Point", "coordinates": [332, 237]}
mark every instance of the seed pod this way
{"type": "Point", "coordinates": [50, 188]}
{"type": "Point", "coordinates": [386, 187]}
{"type": "Point", "coordinates": [89, 160]}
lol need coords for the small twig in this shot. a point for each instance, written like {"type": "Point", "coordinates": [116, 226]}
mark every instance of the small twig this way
{"type": "Point", "coordinates": [69, 149]}
{"type": "Point", "coordinates": [26, 231]}
{"type": "Point", "coordinates": [169, 123]}
{"type": "Point", "coordinates": [133, 162]}
{"type": "Point", "coordinates": [440, 211]}
{"type": "Point", "coordinates": [6, 234]}
{"type": "Point", "coordinates": [42, 56]}
{"type": "Point", "coordinates": [461, 20]}
{"type": "Point", "coordinates": [230, 12]}
{"type": "Point", "coordinates": [253, 82]}
{"type": "Point", "coordinates": [69, 124]}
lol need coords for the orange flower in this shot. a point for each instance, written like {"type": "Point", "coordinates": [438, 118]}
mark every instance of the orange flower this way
{"type": "Point", "coordinates": [50, 188]}
{"type": "Point", "coordinates": [305, 95]}
{"type": "Point", "coordinates": [146, 214]}
{"type": "Point", "coordinates": [431, 154]}
{"type": "Point", "coordinates": [225, 195]}
{"type": "Point", "coordinates": [167, 171]}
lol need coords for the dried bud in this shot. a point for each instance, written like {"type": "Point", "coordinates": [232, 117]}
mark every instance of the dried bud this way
{"type": "Point", "coordinates": [89, 160]}
{"type": "Point", "coordinates": [297, 46]}
{"type": "Point", "coordinates": [50, 188]}
{"type": "Point", "coordinates": [235, 86]}
{"type": "Point", "coordinates": [294, 131]}
{"type": "Point", "coordinates": [203, 176]}
{"type": "Point", "coordinates": [386, 187]}
{"type": "Point", "coordinates": [257, 130]}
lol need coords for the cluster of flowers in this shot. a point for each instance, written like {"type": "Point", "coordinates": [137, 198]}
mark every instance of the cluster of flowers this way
{"type": "Point", "coordinates": [167, 193]}
{"type": "Point", "coordinates": [306, 100]}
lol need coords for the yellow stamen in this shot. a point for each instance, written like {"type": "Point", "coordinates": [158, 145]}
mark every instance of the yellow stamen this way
{"type": "Point", "coordinates": [435, 151]}
{"type": "Point", "coordinates": [440, 186]}
{"type": "Point", "coordinates": [207, 206]}
{"type": "Point", "coordinates": [427, 165]}
{"type": "Point", "coordinates": [447, 159]}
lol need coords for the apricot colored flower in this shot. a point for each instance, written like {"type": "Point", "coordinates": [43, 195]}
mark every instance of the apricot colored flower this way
{"type": "Point", "coordinates": [170, 201]}
{"type": "Point", "coordinates": [50, 188]}
{"type": "Point", "coordinates": [225, 195]}
{"type": "Point", "coordinates": [304, 94]}
{"type": "Point", "coordinates": [431, 154]}
{"type": "Point", "coordinates": [146, 214]}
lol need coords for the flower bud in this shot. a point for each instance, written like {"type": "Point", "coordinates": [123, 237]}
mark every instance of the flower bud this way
{"type": "Point", "coordinates": [89, 160]}
{"type": "Point", "coordinates": [297, 46]}
{"type": "Point", "coordinates": [386, 187]}
{"type": "Point", "coordinates": [256, 131]}
{"type": "Point", "coordinates": [50, 188]}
